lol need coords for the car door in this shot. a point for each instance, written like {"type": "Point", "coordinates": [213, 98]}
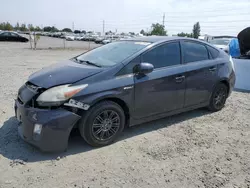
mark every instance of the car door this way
{"type": "Point", "coordinates": [5, 36]}
{"type": "Point", "coordinates": [15, 37]}
{"type": "Point", "coordinates": [201, 72]}
{"type": "Point", "coordinates": [163, 89]}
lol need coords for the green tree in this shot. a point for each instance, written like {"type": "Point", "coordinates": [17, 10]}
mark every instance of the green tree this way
{"type": "Point", "coordinates": [17, 27]}
{"type": "Point", "coordinates": [142, 32]}
{"type": "Point", "coordinates": [67, 30]}
{"type": "Point", "coordinates": [37, 28]}
{"type": "Point", "coordinates": [50, 29]}
{"type": "Point", "coordinates": [54, 29]}
{"type": "Point", "coordinates": [158, 29]}
{"type": "Point", "coordinates": [84, 32]}
{"type": "Point", "coordinates": [8, 26]}
{"type": "Point", "coordinates": [182, 34]}
{"type": "Point", "coordinates": [196, 30]}
{"type": "Point", "coordinates": [77, 31]}
{"type": "Point", "coordinates": [47, 29]}
{"type": "Point", "coordinates": [23, 27]}
{"type": "Point", "coordinates": [1, 26]}
{"type": "Point", "coordinates": [108, 33]}
{"type": "Point", "coordinates": [31, 27]}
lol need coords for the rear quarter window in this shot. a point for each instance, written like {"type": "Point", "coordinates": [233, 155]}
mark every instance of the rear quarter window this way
{"type": "Point", "coordinates": [194, 51]}
{"type": "Point", "coordinates": [213, 52]}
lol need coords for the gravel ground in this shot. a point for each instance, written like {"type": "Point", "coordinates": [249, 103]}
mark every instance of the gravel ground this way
{"type": "Point", "coordinates": [193, 149]}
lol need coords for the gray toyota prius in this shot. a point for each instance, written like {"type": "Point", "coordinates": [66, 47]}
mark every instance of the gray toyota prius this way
{"type": "Point", "coordinates": [123, 83]}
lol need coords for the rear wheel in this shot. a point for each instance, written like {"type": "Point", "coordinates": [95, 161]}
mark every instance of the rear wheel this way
{"type": "Point", "coordinates": [218, 98]}
{"type": "Point", "coordinates": [102, 124]}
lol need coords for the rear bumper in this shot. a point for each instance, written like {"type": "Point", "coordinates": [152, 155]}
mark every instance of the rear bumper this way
{"type": "Point", "coordinates": [56, 127]}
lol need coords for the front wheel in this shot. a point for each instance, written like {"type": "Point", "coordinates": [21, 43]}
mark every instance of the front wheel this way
{"type": "Point", "coordinates": [218, 98]}
{"type": "Point", "coordinates": [102, 124]}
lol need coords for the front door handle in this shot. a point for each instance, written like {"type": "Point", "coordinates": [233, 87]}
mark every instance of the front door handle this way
{"type": "Point", "coordinates": [179, 79]}
{"type": "Point", "coordinates": [212, 69]}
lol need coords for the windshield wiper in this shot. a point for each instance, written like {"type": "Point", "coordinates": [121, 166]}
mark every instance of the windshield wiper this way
{"type": "Point", "coordinates": [87, 62]}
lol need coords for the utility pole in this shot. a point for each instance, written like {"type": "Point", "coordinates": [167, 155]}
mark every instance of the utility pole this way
{"type": "Point", "coordinates": [163, 20]}
{"type": "Point", "coordinates": [103, 27]}
{"type": "Point", "coordinates": [73, 26]}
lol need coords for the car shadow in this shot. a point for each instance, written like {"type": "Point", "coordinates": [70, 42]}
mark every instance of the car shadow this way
{"type": "Point", "coordinates": [14, 148]}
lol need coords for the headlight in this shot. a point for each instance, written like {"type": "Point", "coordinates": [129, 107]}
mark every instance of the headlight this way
{"type": "Point", "coordinates": [57, 95]}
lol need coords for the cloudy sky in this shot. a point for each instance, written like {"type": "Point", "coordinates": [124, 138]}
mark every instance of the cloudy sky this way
{"type": "Point", "coordinates": [215, 16]}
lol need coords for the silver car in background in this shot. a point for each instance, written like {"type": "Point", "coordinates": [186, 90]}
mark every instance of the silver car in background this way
{"type": "Point", "coordinates": [222, 43]}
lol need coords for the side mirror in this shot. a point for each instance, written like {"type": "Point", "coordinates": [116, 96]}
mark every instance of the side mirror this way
{"type": "Point", "coordinates": [143, 68]}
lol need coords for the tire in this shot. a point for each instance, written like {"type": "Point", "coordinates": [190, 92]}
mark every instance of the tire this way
{"type": "Point", "coordinates": [107, 117]}
{"type": "Point", "coordinates": [218, 98]}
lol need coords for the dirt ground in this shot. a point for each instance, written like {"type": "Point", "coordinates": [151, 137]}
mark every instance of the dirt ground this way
{"type": "Point", "coordinates": [193, 149]}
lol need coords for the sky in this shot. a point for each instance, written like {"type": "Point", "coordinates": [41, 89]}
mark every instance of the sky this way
{"type": "Point", "coordinates": [216, 17]}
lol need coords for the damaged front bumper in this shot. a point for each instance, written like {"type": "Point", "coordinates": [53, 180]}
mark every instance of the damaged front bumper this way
{"type": "Point", "coordinates": [55, 126]}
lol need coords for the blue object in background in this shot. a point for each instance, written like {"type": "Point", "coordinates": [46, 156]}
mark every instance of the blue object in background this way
{"type": "Point", "coordinates": [234, 48]}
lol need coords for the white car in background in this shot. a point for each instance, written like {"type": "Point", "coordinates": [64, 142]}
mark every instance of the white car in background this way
{"type": "Point", "coordinates": [69, 38]}
{"type": "Point", "coordinates": [106, 41]}
{"type": "Point", "coordinates": [222, 43]}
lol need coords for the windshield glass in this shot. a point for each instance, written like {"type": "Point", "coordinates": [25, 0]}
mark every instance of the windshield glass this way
{"type": "Point", "coordinates": [220, 41]}
{"type": "Point", "coordinates": [113, 53]}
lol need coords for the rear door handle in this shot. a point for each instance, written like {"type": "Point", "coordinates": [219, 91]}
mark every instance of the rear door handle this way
{"type": "Point", "coordinates": [179, 79]}
{"type": "Point", "coordinates": [212, 69]}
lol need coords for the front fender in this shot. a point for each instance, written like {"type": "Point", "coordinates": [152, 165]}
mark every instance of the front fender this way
{"type": "Point", "coordinates": [127, 96]}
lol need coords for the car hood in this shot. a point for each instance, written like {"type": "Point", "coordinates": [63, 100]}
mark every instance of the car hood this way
{"type": "Point", "coordinates": [66, 72]}
{"type": "Point", "coordinates": [244, 41]}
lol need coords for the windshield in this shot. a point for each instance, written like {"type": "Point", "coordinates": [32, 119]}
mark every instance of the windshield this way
{"type": "Point", "coordinates": [113, 53]}
{"type": "Point", "coordinates": [220, 41]}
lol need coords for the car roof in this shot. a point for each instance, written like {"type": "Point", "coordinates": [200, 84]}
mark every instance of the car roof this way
{"type": "Point", "coordinates": [158, 39]}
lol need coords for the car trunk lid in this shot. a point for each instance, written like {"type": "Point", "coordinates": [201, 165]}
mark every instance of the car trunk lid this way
{"type": "Point", "coordinates": [244, 41]}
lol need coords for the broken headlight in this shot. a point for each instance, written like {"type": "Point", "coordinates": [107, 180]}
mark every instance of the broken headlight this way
{"type": "Point", "coordinates": [57, 95]}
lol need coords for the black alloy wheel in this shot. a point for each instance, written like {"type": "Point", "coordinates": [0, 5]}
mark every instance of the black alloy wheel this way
{"type": "Point", "coordinates": [219, 97]}
{"type": "Point", "coordinates": [102, 123]}
{"type": "Point", "coordinates": [106, 125]}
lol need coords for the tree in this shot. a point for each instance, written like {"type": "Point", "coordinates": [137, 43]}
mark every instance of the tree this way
{"type": "Point", "coordinates": [196, 30]}
{"type": "Point", "coordinates": [50, 29]}
{"type": "Point", "coordinates": [23, 27]}
{"type": "Point", "coordinates": [109, 33]}
{"type": "Point", "coordinates": [7, 26]}
{"type": "Point", "coordinates": [182, 34]}
{"type": "Point", "coordinates": [67, 30]}
{"type": "Point", "coordinates": [142, 32]}
{"type": "Point", "coordinates": [84, 32]}
{"type": "Point", "coordinates": [17, 27]}
{"type": "Point", "coordinates": [47, 29]}
{"type": "Point", "coordinates": [158, 29]}
{"type": "Point", "coordinates": [31, 28]}
{"type": "Point", "coordinates": [37, 28]}
{"type": "Point", "coordinates": [54, 29]}
{"type": "Point", "coordinates": [132, 33]}
{"type": "Point", "coordinates": [77, 31]}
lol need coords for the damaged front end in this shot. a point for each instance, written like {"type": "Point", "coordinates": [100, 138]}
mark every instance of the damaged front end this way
{"type": "Point", "coordinates": [47, 124]}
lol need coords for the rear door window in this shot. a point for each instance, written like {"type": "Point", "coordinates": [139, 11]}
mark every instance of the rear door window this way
{"type": "Point", "coordinates": [14, 35]}
{"type": "Point", "coordinates": [194, 52]}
